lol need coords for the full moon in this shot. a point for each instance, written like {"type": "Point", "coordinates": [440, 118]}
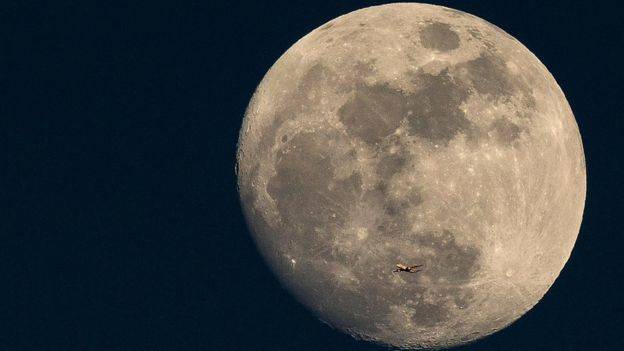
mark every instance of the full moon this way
{"type": "Point", "coordinates": [421, 135]}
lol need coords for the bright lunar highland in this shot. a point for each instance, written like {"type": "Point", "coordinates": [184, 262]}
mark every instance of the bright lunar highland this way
{"type": "Point", "coordinates": [415, 134]}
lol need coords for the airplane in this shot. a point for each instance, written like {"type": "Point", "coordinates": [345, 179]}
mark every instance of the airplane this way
{"type": "Point", "coordinates": [409, 269]}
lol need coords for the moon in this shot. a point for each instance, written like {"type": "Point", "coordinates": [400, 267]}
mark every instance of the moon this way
{"type": "Point", "coordinates": [415, 134]}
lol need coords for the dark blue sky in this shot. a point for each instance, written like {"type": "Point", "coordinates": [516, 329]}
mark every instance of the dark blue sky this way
{"type": "Point", "coordinates": [122, 228]}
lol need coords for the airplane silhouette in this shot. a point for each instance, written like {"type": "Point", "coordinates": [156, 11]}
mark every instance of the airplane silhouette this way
{"type": "Point", "coordinates": [409, 269]}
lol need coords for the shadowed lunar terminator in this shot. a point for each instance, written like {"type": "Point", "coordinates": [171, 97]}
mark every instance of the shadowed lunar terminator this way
{"type": "Point", "coordinates": [409, 269]}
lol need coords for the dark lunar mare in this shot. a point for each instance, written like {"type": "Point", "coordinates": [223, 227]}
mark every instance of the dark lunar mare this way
{"type": "Point", "coordinates": [434, 112]}
{"type": "Point", "coordinates": [308, 195]}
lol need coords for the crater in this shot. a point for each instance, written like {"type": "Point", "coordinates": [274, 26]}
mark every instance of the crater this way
{"type": "Point", "coordinates": [439, 36]}
{"type": "Point", "coordinates": [365, 68]}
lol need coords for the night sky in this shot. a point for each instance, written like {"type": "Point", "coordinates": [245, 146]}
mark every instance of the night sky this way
{"type": "Point", "coordinates": [121, 227]}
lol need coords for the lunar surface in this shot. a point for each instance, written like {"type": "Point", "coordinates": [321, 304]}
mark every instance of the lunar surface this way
{"type": "Point", "coordinates": [414, 134]}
